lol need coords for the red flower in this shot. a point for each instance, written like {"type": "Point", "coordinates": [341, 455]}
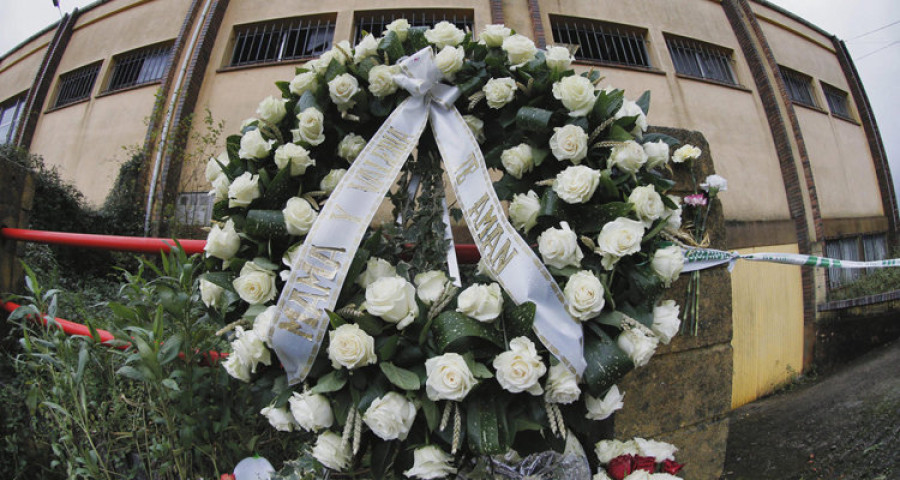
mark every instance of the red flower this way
{"type": "Point", "coordinates": [620, 467]}
{"type": "Point", "coordinates": [226, 476]}
{"type": "Point", "coordinates": [644, 463]}
{"type": "Point", "coordinates": [671, 467]}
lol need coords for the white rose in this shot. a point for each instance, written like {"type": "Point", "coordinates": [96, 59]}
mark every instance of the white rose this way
{"type": "Point", "coordinates": [559, 247]}
{"type": "Point", "coordinates": [603, 408]}
{"type": "Point", "coordinates": [310, 127]}
{"type": "Point", "coordinates": [584, 295]}
{"type": "Point", "coordinates": [430, 462]}
{"type": "Point", "coordinates": [375, 268]}
{"type": "Point", "coordinates": [263, 322]}
{"type": "Point", "coordinates": [250, 348]}
{"type": "Point", "coordinates": [601, 475]}
{"type": "Point", "coordinates": [210, 293]}
{"type": "Point", "coordinates": [686, 152]}
{"type": "Point", "coordinates": [279, 418]}
{"type": "Point", "coordinates": [481, 302]}
{"type": "Point", "coordinates": [340, 53]}
{"type": "Point", "coordinates": [350, 147]}
{"type": "Point", "coordinates": [638, 345]}
{"type": "Point", "coordinates": [673, 219]}
{"type": "Point", "coordinates": [517, 160]}
{"type": "Point", "coordinates": [243, 190]}
{"type": "Point", "coordinates": [629, 157]}
{"type": "Point", "coordinates": [561, 385]}
{"type": "Point", "coordinates": [448, 377]}
{"type": "Point", "coordinates": [657, 153]}
{"type": "Point", "coordinates": [430, 285]}
{"type": "Point", "coordinates": [519, 49]}
{"type": "Point", "coordinates": [576, 184]}
{"type": "Point", "coordinates": [255, 285]}
{"type": "Point", "coordinates": [632, 109]}
{"type": "Point", "coordinates": [619, 238]}
{"type": "Point", "coordinates": [222, 242]}
{"type": "Point", "coordinates": [569, 143]}
{"type": "Point", "coordinates": [449, 61]}
{"type": "Point", "coordinates": [400, 27]}
{"type": "Point", "coordinates": [271, 109]}
{"type": "Point", "coordinates": [304, 82]}
{"type": "Point", "coordinates": [390, 417]}
{"type": "Point", "coordinates": [665, 320]}
{"type": "Point", "coordinates": [714, 184]}
{"type": "Point", "coordinates": [559, 58]}
{"type": "Point", "coordinates": [295, 156]}
{"type": "Point", "coordinates": [312, 412]}
{"type": "Point", "coordinates": [366, 47]}
{"type": "Point", "coordinates": [299, 216]}
{"type": "Point", "coordinates": [667, 263]}
{"type": "Point", "coordinates": [520, 368]}
{"type": "Point", "coordinates": [523, 210]}
{"type": "Point", "coordinates": [393, 299]}
{"type": "Point", "coordinates": [341, 90]}
{"type": "Point", "coordinates": [381, 81]}
{"type": "Point", "coordinates": [576, 94]}
{"type": "Point", "coordinates": [443, 34]}
{"type": "Point", "coordinates": [647, 204]}
{"type": "Point", "coordinates": [660, 451]}
{"type": "Point", "coordinates": [330, 181]}
{"type": "Point", "coordinates": [349, 346]}
{"type": "Point", "coordinates": [476, 126]}
{"type": "Point", "coordinates": [254, 146]}
{"type": "Point", "coordinates": [607, 450]}
{"type": "Point", "coordinates": [499, 91]}
{"type": "Point", "coordinates": [237, 367]}
{"type": "Point", "coordinates": [214, 167]}
{"type": "Point", "coordinates": [331, 451]}
{"type": "Point", "coordinates": [493, 35]}
{"type": "Point", "coordinates": [639, 475]}
{"type": "Point", "coordinates": [220, 188]}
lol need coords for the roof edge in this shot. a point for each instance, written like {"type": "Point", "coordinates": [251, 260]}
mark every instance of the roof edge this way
{"type": "Point", "coordinates": [795, 17]}
{"type": "Point", "coordinates": [48, 28]}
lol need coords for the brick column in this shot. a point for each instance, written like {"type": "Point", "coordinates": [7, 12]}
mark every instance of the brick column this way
{"type": "Point", "coordinates": [16, 199]}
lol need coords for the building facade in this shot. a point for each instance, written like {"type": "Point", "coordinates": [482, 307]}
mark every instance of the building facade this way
{"type": "Point", "coordinates": [778, 100]}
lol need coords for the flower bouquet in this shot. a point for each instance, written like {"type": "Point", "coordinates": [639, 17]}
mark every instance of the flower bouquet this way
{"type": "Point", "coordinates": [405, 366]}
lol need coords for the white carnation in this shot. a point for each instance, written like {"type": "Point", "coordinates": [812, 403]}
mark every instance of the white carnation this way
{"type": "Point", "coordinates": [686, 152]}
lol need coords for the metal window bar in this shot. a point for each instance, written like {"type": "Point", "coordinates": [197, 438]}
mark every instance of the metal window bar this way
{"type": "Point", "coordinates": [76, 85]}
{"type": "Point", "coordinates": [874, 249]}
{"type": "Point", "coordinates": [799, 87]}
{"type": "Point", "coordinates": [139, 67]}
{"type": "Point", "coordinates": [843, 249]}
{"type": "Point", "coordinates": [699, 60]}
{"type": "Point", "coordinates": [837, 101]}
{"type": "Point", "coordinates": [193, 208]}
{"type": "Point", "coordinates": [375, 22]}
{"type": "Point", "coordinates": [283, 40]}
{"type": "Point", "coordinates": [602, 42]}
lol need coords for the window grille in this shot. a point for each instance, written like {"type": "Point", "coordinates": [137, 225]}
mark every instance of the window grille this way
{"type": "Point", "coordinates": [376, 21]}
{"type": "Point", "coordinates": [701, 60]}
{"type": "Point", "coordinates": [837, 101]}
{"type": "Point", "coordinates": [139, 67]}
{"type": "Point", "coordinates": [874, 248]}
{"type": "Point", "coordinates": [76, 85]}
{"type": "Point", "coordinates": [282, 40]}
{"type": "Point", "coordinates": [602, 42]}
{"type": "Point", "coordinates": [843, 249]}
{"type": "Point", "coordinates": [799, 87]}
{"type": "Point", "coordinates": [194, 208]}
{"type": "Point", "coordinates": [10, 115]}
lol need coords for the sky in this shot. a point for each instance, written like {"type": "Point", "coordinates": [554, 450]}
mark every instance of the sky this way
{"type": "Point", "coordinates": [870, 28]}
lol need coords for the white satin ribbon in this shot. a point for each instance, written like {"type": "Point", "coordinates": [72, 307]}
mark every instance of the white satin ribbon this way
{"type": "Point", "coordinates": [321, 264]}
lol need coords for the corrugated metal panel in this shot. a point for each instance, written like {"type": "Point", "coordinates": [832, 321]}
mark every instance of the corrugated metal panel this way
{"type": "Point", "coordinates": [767, 301]}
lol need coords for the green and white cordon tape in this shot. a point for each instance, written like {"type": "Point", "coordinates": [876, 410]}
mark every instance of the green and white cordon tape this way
{"type": "Point", "coordinates": [703, 258]}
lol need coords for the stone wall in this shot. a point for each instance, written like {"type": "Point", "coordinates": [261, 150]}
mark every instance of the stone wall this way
{"type": "Point", "coordinates": [683, 395]}
{"type": "Point", "coordinates": [846, 329]}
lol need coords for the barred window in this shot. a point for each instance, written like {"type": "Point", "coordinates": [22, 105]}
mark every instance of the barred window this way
{"type": "Point", "coordinates": [282, 40]}
{"type": "Point", "coordinates": [860, 248]}
{"type": "Point", "coordinates": [10, 116]}
{"type": "Point", "coordinates": [76, 85]}
{"type": "Point", "coordinates": [799, 87]}
{"type": "Point", "coordinates": [702, 60]}
{"type": "Point", "coordinates": [193, 208]}
{"type": "Point", "coordinates": [601, 41]}
{"type": "Point", "coordinates": [375, 21]}
{"type": "Point", "coordinates": [138, 67]}
{"type": "Point", "coordinates": [837, 101]}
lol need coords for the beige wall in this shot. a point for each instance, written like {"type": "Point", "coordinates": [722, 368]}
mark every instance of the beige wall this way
{"type": "Point", "coordinates": [19, 68]}
{"type": "Point", "coordinates": [85, 140]}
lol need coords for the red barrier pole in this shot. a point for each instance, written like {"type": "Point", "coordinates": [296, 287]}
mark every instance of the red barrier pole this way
{"type": "Point", "coordinates": [107, 242]}
{"type": "Point", "coordinates": [72, 328]}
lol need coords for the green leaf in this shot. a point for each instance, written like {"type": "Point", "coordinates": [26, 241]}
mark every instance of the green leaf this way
{"type": "Point", "coordinates": [171, 384]}
{"type": "Point", "coordinates": [307, 100]}
{"type": "Point", "coordinates": [132, 373]}
{"type": "Point", "coordinates": [454, 331]}
{"type": "Point", "coordinates": [170, 349]}
{"type": "Point", "coordinates": [336, 320]}
{"type": "Point", "coordinates": [533, 119]}
{"type": "Point", "coordinates": [591, 218]}
{"type": "Point", "coordinates": [335, 68]}
{"type": "Point", "coordinates": [478, 369]}
{"type": "Point", "coordinates": [549, 204]}
{"type": "Point", "coordinates": [606, 105]}
{"type": "Point", "coordinates": [415, 37]}
{"type": "Point", "coordinates": [386, 348]}
{"type": "Point", "coordinates": [432, 415]}
{"type": "Point", "coordinates": [392, 46]}
{"type": "Point", "coordinates": [265, 224]}
{"type": "Point", "coordinates": [486, 434]}
{"type": "Point", "coordinates": [285, 88]}
{"type": "Point", "coordinates": [331, 382]}
{"type": "Point", "coordinates": [655, 137]}
{"type": "Point", "coordinates": [382, 457]}
{"type": "Point", "coordinates": [400, 377]}
{"type": "Point", "coordinates": [618, 134]}
{"type": "Point", "coordinates": [519, 319]}
{"type": "Point", "coordinates": [538, 155]}
{"type": "Point", "coordinates": [644, 102]}
{"type": "Point", "coordinates": [606, 363]}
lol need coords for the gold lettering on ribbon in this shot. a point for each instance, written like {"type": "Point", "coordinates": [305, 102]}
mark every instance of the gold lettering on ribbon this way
{"type": "Point", "coordinates": [377, 163]}
{"type": "Point", "coordinates": [470, 165]}
{"type": "Point", "coordinates": [308, 298]}
{"type": "Point", "coordinates": [494, 243]}
{"type": "Point", "coordinates": [341, 214]}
